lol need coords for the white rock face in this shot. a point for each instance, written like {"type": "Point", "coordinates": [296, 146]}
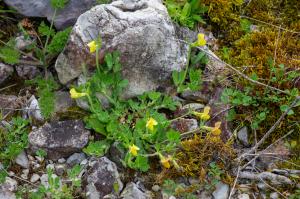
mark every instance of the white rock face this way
{"type": "Point", "coordinates": [140, 30]}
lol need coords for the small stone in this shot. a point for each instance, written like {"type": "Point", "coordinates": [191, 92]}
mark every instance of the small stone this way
{"type": "Point", "coordinates": [27, 71]}
{"type": "Point", "coordinates": [34, 109]}
{"type": "Point", "coordinates": [185, 125]}
{"type": "Point", "coordinates": [132, 191]}
{"type": "Point", "coordinates": [243, 196]}
{"type": "Point", "coordinates": [24, 174]}
{"type": "Point", "coordinates": [50, 166]}
{"type": "Point", "coordinates": [22, 42]}
{"type": "Point", "coordinates": [193, 181]}
{"type": "Point", "coordinates": [9, 184]}
{"type": "Point", "coordinates": [261, 186]}
{"type": "Point", "coordinates": [61, 160]}
{"type": "Point", "coordinates": [274, 195]}
{"type": "Point", "coordinates": [5, 72]}
{"type": "Point", "coordinates": [22, 160]}
{"type": "Point", "coordinates": [172, 197]}
{"type": "Point", "coordinates": [36, 165]}
{"type": "Point", "coordinates": [156, 188]}
{"type": "Point", "coordinates": [84, 162]}
{"type": "Point", "coordinates": [34, 178]}
{"type": "Point", "coordinates": [5, 194]}
{"type": "Point", "coordinates": [76, 158]}
{"type": "Point", "coordinates": [11, 173]}
{"type": "Point", "coordinates": [221, 192]}
{"type": "Point", "coordinates": [243, 136]}
{"type": "Point", "coordinates": [60, 169]}
{"type": "Point", "coordinates": [44, 179]}
{"type": "Point", "coordinates": [205, 195]}
{"type": "Point", "coordinates": [193, 106]}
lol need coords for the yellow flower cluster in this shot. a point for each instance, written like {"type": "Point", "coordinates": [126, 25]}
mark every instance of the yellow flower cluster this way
{"type": "Point", "coordinates": [200, 41]}
{"type": "Point", "coordinates": [93, 46]}
{"type": "Point", "coordinates": [151, 123]}
{"type": "Point", "coordinates": [215, 131]}
{"type": "Point", "coordinates": [133, 150]}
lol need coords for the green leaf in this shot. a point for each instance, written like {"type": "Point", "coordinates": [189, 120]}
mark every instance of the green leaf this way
{"type": "Point", "coordinates": [154, 95]}
{"type": "Point", "coordinates": [141, 163]}
{"type": "Point", "coordinates": [109, 60]}
{"type": "Point", "coordinates": [178, 77]}
{"type": "Point", "coordinates": [98, 148]}
{"type": "Point", "coordinates": [45, 30]}
{"type": "Point", "coordinates": [285, 107]}
{"type": "Point", "coordinates": [59, 41]}
{"type": "Point", "coordinates": [58, 4]}
{"type": "Point", "coordinates": [173, 136]}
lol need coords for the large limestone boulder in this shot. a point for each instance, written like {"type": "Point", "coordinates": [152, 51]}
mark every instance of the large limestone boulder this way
{"type": "Point", "coordinates": [140, 30]}
{"type": "Point", "coordinates": [42, 8]}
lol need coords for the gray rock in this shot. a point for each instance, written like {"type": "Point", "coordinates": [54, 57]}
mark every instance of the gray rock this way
{"type": "Point", "coordinates": [184, 125]}
{"type": "Point", "coordinates": [60, 169]}
{"type": "Point", "coordinates": [132, 191]}
{"type": "Point", "coordinates": [156, 188]}
{"type": "Point", "coordinates": [205, 195]}
{"type": "Point", "coordinates": [25, 173]}
{"type": "Point", "coordinates": [63, 101]}
{"type": "Point", "coordinates": [4, 194]}
{"type": "Point", "coordinates": [221, 192]}
{"type": "Point", "coordinates": [22, 42]}
{"type": "Point", "coordinates": [5, 72]}
{"type": "Point", "coordinates": [243, 196]}
{"type": "Point", "coordinates": [193, 106]}
{"type": "Point", "coordinates": [61, 160]}
{"type": "Point", "coordinates": [243, 136]}
{"type": "Point", "coordinates": [27, 71]}
{"type": "Point", "coordinates": [9, 185]}
{"type": "Point", "coordinates": [59, 139]}
{"type": "Point", "coordinates": [76, 158]}
{"type": "Point", "coordinates": [274, 195]}
{"type": "Point", "coordinates": [141, 31]}
{"type": "Point", "coordinates": [116, 153]}
{"type": "Point", "coordinates": [34, 110]}
{"type": "Point", "coordinates": [42, 8]}
{"type": "Point", "coordinates": [34, 178]}
{"type": "Point", "coordinates": [22, 160]}
{"type": "Point", "coordinates": [44, 179]}
{"type": "Point", "coordinates": [102, 178]}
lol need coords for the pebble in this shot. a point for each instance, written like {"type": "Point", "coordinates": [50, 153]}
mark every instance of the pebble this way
{"type": "Point", "coordinates": [221, 192]}
{"type": "Point", "coordinates": [22, 160]}
{"type": "Point", "coordinates": [243, 136]}
{"type": "Point", "coordinates": [50, 166]}
{"type": "Point", "coordinates": [34, 178]}
{"type": "Point", "coordinates": [84, 162]}
{"type": "Point", "coordinates": [61, 160]}
{"type": "Point", "coordinates": [76, 158]}
{"type": "Point", "coordinates": [24, 174]}
{"type": "Point", "coordinates": [243, 196]}
{"type": "Point", "coordinates": [10, 184]}
{"type": "Point", "coordinates": [156, 188]}
{"type": "Point", "coordinates": [274, 195]}
{"type": "Point", "coordinates": [60, 169]}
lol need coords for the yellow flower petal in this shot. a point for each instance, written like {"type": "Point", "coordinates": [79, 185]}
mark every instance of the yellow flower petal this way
{"type": "Point", "coordinates": [165, 162]}
{"type": "Point", "coordinates": [74, 94]}
{"type": "Point", "coordinates": [216, 131]}
{"type": "Point", "coordinates": [93, 46]}
{"type": "Point", "coordinates": [204, 115]}
{"type": "Point", "coordinates": [151, 123]}
{"type": "Point", "coordinates": [201, 40]}
{"type": "Point", "coordinates": [133, 149]}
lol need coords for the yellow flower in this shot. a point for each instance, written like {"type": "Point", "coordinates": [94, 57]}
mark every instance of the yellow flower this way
{"type": "Point", "coordinates": [74, 94]}
{"type": "Point", "coordinates": [216, 131]}
{"type": "Point", "coordinates": [165, 161]}
{"type": "Point", "coordinates": [133, 149]}
{"type": "Point", "coordinates": [93, 46]}
{"type": "Point", "coordinates": [201, 40]}
{"type": "Point", "coordinates": [204, 115]}
{"type": "Point", "coordinates": [151, 123]}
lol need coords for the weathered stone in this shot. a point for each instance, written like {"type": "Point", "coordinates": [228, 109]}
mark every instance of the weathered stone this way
{"type": "Point", "coordinates": [60, 169]}
{"type": "Point", "coordinates": [22, 42]}
{"type": "Point", "coordinates": [221, 192]}
{"type": "Point", "coordinates": [59, 139]}
{"type": "Point", "coordinates": [8, 103]}
{"type": "Point", "coordinates": [102, 178]}
{"type": "Point", "coordinates": [141, 31]}
{"type": "Point", "coordinates": [34, 178]}
{"type": "Point", "coordinates": [42, 8]}
{"type": "Point", "coordinates": [243, 137]}
{"type": "Point", "coordinates": [34, 110]}
{"type": "Point", "coordinates": [76, 158]}
{"type": "Point", "coordinates": [243, 196]}
{"type": "Point", "coordinates": [132, 191]}
{"type": "Point", "coordinates": [5, 72]}
{"type": "Point", "coordinates": [27, 71]}
{"type": "Point", "coordinates": [22, 160]}
{"type": "Point", "coordinates": [116, 153]}
{"type": "Point", "coordinates": [9, 185]}
{"type": "Point", "coordinates": [63, 101]}
{"type": "Point", "coordinates": [184, 125]}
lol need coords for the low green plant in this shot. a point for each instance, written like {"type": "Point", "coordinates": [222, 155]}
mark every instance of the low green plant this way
{"type": "Point", "coordinates": [14, 139]}
{"type": "Point", "coordinates": [171, 188]}
{"type": "Point", "coordinates": [41, 153]}
{"type": "Point", "coordinates": [186, 13]}
{"type": "Point", "coordinates": [45, 91]}
{"type": "Point", "coordinates": [214, 176]}
{"type": "Point", "coordinates": [57, 189]}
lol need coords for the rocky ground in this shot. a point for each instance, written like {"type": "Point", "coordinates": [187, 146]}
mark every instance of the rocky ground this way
{"type": "Point", "coordinates": [151, 47]}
